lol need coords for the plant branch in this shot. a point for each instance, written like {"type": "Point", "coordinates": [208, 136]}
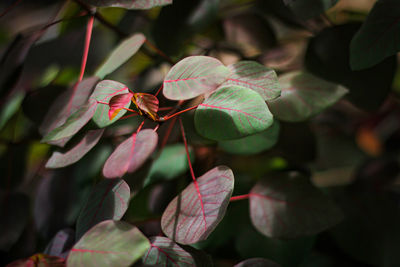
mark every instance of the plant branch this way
{"type": "Point", "coordinates": [240, 197]}
{"type": "Point", "coordinates": [8, 9]}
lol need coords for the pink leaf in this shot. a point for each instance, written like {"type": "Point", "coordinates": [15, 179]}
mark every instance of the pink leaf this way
{"type": "Point", "coordinates": [196, 211]}
{"type": "Point", "coordinates": [117, 103]}
{"type": "Point", "coordinates": [147, 103]}
{"type": "Point", "coordinates": [131, 154]}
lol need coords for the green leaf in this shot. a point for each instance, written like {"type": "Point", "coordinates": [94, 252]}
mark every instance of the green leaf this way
{"type": "Point", "coordinates": [10, 106]}
{"type": "Point", "coordinates": [307, 9]}
{"type": "Point", "coordinates": [377, 38]}
{"type": "Point", "coordinates": [194, 76]}
{"type": "Point", "coordinates": [103, 92]}
{"type": "Point", "coordinates": [232, 112]}
{"type": "Point", "coordinates": [253, 144]}
{"type": "Point", "coordinates": [109, 243]}
{"type": "Point", "coordinates": [129, 4]}
{"type": "Point", "coordinates": [124, 51]}
{"type": "Point", "coordinates": [303, 96]}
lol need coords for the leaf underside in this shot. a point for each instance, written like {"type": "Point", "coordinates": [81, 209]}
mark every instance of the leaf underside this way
{"type": "Point", "coordinates": [129, 4]}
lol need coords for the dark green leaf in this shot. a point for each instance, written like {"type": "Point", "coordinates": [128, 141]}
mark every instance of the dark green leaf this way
{"type": "Point", "coordinates": [307, 9]}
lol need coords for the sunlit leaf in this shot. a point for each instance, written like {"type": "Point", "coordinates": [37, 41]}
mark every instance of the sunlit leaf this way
{"type": "Point", "coordinates": [117, 103]}
{"type": "Point", "coordinates": [61, 243]}
{"type": "Point", "coordinates": [147, 103]}
{"type": "Point", "coordinates": [307, 9]}
{"type": "Point", "coordinates": [164, 251]}
{"type": "Point", "coordinates": [59, 160]}
{"type": "Point", "coordinates": [303, 96]}
{"type": "Point", "coordinates": [377, 38]}
{"type": "Point", "coordinates": [253, 144]}
{"type": "Point", "coordinates": [129, 4]}
{"type": "Point", "coordinates": [255, 76]}
{"type": "Point", "coordinates": [289, 206]}
{"type": "Point", "coordinates": [131, 154]}
{"type": "Point", "coordinates": [108, 200]}
{"type": "Point", "coordinates": [39, 260]}
{"type": "Point", "coordinates": [257, 262]}
{"type": "Point", "coordinates": [124, 51]}
{"type": "Point", "coordinates": [109, 243]}
{"type": "Point", "coordinates": [196, 211]}
{"type": "Point", "coordinates": [232, 112]}
{"type": "Point", "coordinates": [194, 76]}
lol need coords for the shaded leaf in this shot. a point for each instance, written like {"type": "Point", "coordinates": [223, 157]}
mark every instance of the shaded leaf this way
{"type": "Point", "coordinates": [39, 260]}
{"type": "Point", "coordinates": [124, 51]}
{"type": "Point", "coordinates": [194, 76]}
{"type": "Point", "coordinates": [131, 154]}
{"type": "Point", "coordinates": [166, 252]}
{"type": "Point", "coordinates": [303, 96]}
{"type": "Point", "coordinates": [289, 206]}
{"type": "Point", "coordinates": [196, 211]}
{"type": "Point", "coordinates": [257, 262]}
{"type": "Point", "coordinates": [377, 38]}
{"type": "Point", "coordinates": [108, 200]}
{"type": "Point", "coordinates": [117, 103]}
{"type": "Point", "coordinates": [109, 243]}
{"type": "Point", "coordinates": [232, 112]}
{"type": "Point", "coordinates": [59, 160]}
{"type": "Point", "coordinates": [253, 144]}
{"type": "Point", "coordinates": [61, 243]}
{"type": "Point", "coordinates": [129, 4]}
{"type": "Point", "coordinates": [255, 76]}
{"type": "Point", "coordinates": [104, 92]}
{"type": "Point", "coordinates": [307, 9]}
{"type": "Point", "coordinates": [10, 107]}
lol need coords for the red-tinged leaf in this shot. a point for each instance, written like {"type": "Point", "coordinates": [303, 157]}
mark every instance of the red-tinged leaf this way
{"type": "Point", "coordinates": [61, 243]}
{"type": "Point", "coordinates": [108, 200]}
{"type": "Point", "coordinates": [124, 51]}
{"type": "Point", "coordinates": [304, 96]}
{"type": "Point", "coordinates": [257, 262]}
{"type": "Point", "coordinates": [196, 211]}
{"type": "Point", "coordinates": [66, 104]}
{"type": "Point", "coordinates": [289, 206]}
{"type": "Point", "coordinates": [131, 154]}
{"type": "Point", "coordinates": [129, 4]}
{"type": "Point", "coordinates": [147, 103]}
{"type": "Point", "coordinates": [109, 243]}
{"type": "Point", "coordinates": [39, 260]}
{"type": "Point", "coordinates": [117, 103]}
{"type": "Point", "coordinates": [165, 252]}
{"type": "Point", "coordinates": [194, 76]}
{"type": "Point", "coordinates": [104, 92]}
{"type": "Point", "coordinates": [59, 160]}
{"type": "Point", "coordinates": [232, 112]}
{"type": "Point", "coordinates": [255, 76]}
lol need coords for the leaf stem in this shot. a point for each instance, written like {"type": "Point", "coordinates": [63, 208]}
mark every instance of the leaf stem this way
{"type": "Point", "coordinates": [240, 197]}
{"type": "Point", "coordinates": [178, 113]}
{"type": "Point", "coordinates": [167, 134]}
{"type": "Point", "coordinates": [8, 9]}
{"type": "Point", "coordinates": [187, 151]}
{"type": "Point", "coordinates": [158, 51]}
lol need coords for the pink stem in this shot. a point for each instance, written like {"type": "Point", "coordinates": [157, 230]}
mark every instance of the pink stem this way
{"type": "Point", "coordinates": [167, 134]}
{"type": "Point", "coordinates": [178, 113]}
{"type": "Point", "coordinates": [159, 90]}
{"type": "Point", "coordinates": [10, 7]}
{"type": "Point", "coordinates": [187, 151]}
{"type": "Point", "coordinates": [240, 197]}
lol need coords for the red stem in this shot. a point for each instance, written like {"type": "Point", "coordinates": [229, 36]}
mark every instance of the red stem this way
{"type": "Point", "coordinates": [10, 7]}
{"type": "Point", "coordinates": [159, 90]}
{"type": "Point", "coordinates": [139, 128]}
{"type": "Point", "coordinates": [187, 151]}
{"type": "Point", "coordinates": [165, 108]}
{"type": "Point", "coordinates": [240, 197]}
{"type": "Point", "coordinates": [158, 51]}
{"type": "Point", "coordinates": [167, 134]}
{"type": "Point", "coordinates": [176, 114]}
{"type": "Point", "coordinates": [128, 116]}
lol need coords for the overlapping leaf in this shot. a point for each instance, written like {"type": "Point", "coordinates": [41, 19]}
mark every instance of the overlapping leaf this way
{"type": "Point", "coordinates": [104, 91]}
{"type": "Point", "coordinates": [255, 76]}
{"type": "Point", "coordinates": [131, 154]}
{"type": "Point", "coordinates": [108, 200]}
{"type": "Point", "coordinates": [257, 262]}
{"type": "Point", "coordinates": [109, 243]}
{"type": "Point", "coordinates": [58, 160]}
{"type": "Point", "coordinates": [232, 112]}
{"type": "Point", "coordinates": [61, 243]}
{"type": "Point", "coordinates": [196, 211]}
{"type": "Point", "coordinates": [194, 76]}
{"type": "Point", "coordinates": [303, 96]}
{"type": "Point", "coordinates": [117, 103]}
{"type": "Point", "coordinates": [147, 103]}
{"type": "Point", "coordinates": [289, 206]}
{"type": "Point", "coordinates": [377, 38]}
{"type": "Point", "coordinates": [124, 51]}
{"type": "Point", "coordinates": [307, 9]}
{"type": "Point", "coordinates": [165, 252]}
{"type": "Point", "coordinates": [129, 4]}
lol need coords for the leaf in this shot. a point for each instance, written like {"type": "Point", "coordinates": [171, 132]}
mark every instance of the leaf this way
{"type": "Point", "coordinates": [104, 92]}
{"type": "Point", "coordinates": [146, 103]}
{"type": "Point", "coordinates": [131, 154]}
{"type": "Point", "coordinates": [129, 4]}
{"type": "Point", "coordinates": [171, 163]}
{"type": "Point", "coordinates": [196, 211]}
{"type": "Point", "coordinates": [255, 76]}
{"type": "Point", "coordinates": [257, 262]}
{"type": "Point", "coordinates": [117, 103]}
{"type": "Point", "coordinates": [39, 260]}
{"type": "Point", "coordinates": [164, 251]}
{"type": "Point", "coordinates": [109, 243]}
{"type": "Point", "coordinates": [108, 200]}
{"type": "Point", "coordinates": [377, 38]}
{"type": "Point", "coordinates": [253, 144]}
{"type": "Point", "coordinates": [59, 160]}
{"type": "Point", "coordinates": [10, 107]}
{"type": "Point", "coordinates": [194, 76]}
{"type": "Point", "coordinates": [124, 51]}
{"type": "Point", "coordinates": [61, 243]}
{"type": "Point", "coordinates": [289, 206]}
{"type": "Point", "coordinates": [308, 9]}
{"type": "Point", "coordinates": [232, 112]}
{"type": "Point", "coordinates": [304, 96]}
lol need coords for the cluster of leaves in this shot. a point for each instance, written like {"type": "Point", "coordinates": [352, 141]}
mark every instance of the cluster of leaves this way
{"type": "Point", "coordinates": [210, 112]}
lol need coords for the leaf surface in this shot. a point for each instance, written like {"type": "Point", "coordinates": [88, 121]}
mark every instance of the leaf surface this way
{"type": "Point", "coordinates": [196, 211]}
{"type": "Point", "coordinates": [147, 103]}
{"type": "Point", "coordinates": [124, 51]}
{"type": "Point", "coordinates": [61, 243]}
{"type": "Point", "coordinates": [307, 9]}
{"type": "Point", "coordinates": [109, 243]}
{"type": "Point", "coordinates": [194, 76]}
{"type": "Point", "coordinates": [257, 262]}
{"type": "Point", "coordinates": [164, 251]}
{"type": "Point", "coordinates": [108, 200]}
{"type": "Point", "coordinates": [117, 103]}
{"type": "Point", "coordinates": [131, 154]}
{"type": "Point", "coordinates": [303, 96]}
{"type": "Point", "coordinates": [232, 112]}
{"type": "Point", "coordinates": [289, 206]}
{"type": "Point", "coordinates": [129, 4]}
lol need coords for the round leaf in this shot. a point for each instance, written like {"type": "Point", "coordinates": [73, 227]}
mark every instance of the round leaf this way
{"type": "Point", "coordinates": [61, 243]}
{"type": "Point", "coordinates": [129, 4]}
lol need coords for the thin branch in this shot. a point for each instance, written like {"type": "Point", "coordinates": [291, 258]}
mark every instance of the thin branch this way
{"type": "Point", "coordinates": [235, 198]}
{"type": "Point", "coordinates": [10, 7]}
